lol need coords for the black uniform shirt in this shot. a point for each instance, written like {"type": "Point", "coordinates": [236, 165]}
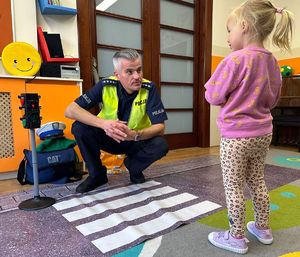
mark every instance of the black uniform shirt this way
{"type": "Point", "coordinates": [154, 105]}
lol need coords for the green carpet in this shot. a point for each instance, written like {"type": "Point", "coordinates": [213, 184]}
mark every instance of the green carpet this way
{"type": "Point", "coordinates": [285, 210]}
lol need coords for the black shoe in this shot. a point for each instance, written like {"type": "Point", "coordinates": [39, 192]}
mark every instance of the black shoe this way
{"type": "Point", "coordinates": [90, 184]}
{"type": "Point", "coordinates": [137, 179]}
{"type": "Point", "coordinates": [134, 178]}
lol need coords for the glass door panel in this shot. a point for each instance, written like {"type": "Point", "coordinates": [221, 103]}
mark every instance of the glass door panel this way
{"type": "Point", "coordinates": [173, 42]}
{"type": "Point", "coordinates": [112, 31]}
{"type": "Point", "coordinates": [179, 122]}
{"type": "Point", "coordinates": [176, 15]}
{"type": "Point", "coordinates": [130, 8]}
{"type": "Point", "coordinates": [118, 25]}
{"type": "Point", "coordinates": [189, 1]}
{"type": "Point", "coordinates": [177, 97]}
{"type": "Point", "coordinates": [177, 55]}
{"type": "Point", "coordinates": [105, 67]}
{"type": "Point", "coordinates": [177, 70]}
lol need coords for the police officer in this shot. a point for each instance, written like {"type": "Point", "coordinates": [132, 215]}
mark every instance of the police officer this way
{"type": "Point", "coordinates": [131, 121]}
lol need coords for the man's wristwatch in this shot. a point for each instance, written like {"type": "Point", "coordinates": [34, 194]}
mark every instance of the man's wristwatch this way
{"type": "Point", "coordinates": [137, 137]}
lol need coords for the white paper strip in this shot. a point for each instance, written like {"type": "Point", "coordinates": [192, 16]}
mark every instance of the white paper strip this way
{"type": "Point", "coordinates": [99, 208]}
{"type": "Point", "coordinates": [132, 233]}
{"type": "Point", "coordinates": [102, 195]}
{"type": "Point", "coordinates": [132, 214]}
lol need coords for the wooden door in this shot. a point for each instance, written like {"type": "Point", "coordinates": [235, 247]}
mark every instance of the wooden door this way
{"type": "Point", "coordinates": [174, 38]}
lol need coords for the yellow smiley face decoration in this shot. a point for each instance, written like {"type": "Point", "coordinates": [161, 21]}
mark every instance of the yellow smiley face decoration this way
{"type": "Point", "coordinates": [21, 58]}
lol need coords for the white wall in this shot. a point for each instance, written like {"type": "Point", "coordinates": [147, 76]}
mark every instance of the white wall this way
{"type": "Point", "coordinates": [221, 10]}
{"type": "Point", "coordinates": [24, 23]}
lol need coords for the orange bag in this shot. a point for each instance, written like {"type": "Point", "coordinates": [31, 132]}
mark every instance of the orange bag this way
{"type": "Point", "coordinates": [113, 163]}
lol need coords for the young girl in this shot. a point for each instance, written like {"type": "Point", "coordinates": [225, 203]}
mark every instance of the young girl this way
{"type": "Point", "coordinates": [246, 85]}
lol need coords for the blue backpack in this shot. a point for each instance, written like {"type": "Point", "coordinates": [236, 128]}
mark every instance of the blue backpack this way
{"type": "Point", "coordinates": [60, 165]}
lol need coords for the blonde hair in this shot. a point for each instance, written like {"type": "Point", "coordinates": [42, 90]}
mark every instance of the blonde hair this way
{"type": "Point", "coordinates": [260, 15]}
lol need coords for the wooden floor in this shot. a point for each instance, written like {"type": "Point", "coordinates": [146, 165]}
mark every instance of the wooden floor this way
{"type": "Point", "coordinates": [12, 185]}
{"type": "Point", "coordinates": [186, 153]}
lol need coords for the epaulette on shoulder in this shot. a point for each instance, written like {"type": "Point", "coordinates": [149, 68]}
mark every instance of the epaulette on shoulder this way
{"type": "Point", "coordinates": [112, 80]}
{"type": "Point", "coordinates": [146, 84]}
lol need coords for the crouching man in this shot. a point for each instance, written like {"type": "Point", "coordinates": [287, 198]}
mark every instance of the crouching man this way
{"type": "Point", "coordinates": [131, 121]}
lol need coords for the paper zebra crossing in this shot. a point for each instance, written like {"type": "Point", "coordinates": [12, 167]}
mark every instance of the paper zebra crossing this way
{"type": "Point", "coordinates": [125, 216]}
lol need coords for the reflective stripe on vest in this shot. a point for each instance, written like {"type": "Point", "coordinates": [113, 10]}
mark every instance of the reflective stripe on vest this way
{"type": "Point", "coordinates": [138, 118]}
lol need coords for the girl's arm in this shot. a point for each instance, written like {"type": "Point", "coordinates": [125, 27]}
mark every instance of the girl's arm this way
{"type": "Point", "coordinates": [223, 81]}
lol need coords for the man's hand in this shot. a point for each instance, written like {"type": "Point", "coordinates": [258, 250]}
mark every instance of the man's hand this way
{"type": "Point", "coordinates": [116, 129]}
{"type": "Point", "coordinates": [119, 131]}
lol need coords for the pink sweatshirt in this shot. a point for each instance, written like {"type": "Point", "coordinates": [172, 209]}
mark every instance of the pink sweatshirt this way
{"type": "Point", "coordinates": [246, 84]}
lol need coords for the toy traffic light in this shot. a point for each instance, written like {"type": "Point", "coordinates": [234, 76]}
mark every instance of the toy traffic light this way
{"type": "Point", "coordinates": [31, 119]}
{"type": "Point", "coordinates": [30, 110]}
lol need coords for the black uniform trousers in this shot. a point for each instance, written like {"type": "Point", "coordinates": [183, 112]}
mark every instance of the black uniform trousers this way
{"type": "Point", "coordinates": [139, 155]}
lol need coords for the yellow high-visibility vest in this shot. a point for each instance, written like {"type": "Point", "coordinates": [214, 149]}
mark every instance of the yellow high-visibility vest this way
{"type": "Point", "coordinates": [138, 118]}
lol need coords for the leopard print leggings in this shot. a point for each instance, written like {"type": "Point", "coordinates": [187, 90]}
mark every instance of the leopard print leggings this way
{"type": "Point", "coordinates": [243, 162]}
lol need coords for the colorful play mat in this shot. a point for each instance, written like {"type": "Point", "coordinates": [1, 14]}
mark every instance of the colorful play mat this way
{"type": "Point", "coordinates": [289, 161]}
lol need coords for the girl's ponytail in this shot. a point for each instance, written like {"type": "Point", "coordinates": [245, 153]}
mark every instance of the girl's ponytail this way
{"type": "Point", "coordinates": [284, 29]}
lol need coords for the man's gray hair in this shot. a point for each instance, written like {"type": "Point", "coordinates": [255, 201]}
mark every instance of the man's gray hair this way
{"type": "Point", "coordinates": [128, 54]}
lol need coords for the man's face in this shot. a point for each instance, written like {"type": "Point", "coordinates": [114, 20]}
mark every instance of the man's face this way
{"type": "Point", "coordinates": [130, 74]}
